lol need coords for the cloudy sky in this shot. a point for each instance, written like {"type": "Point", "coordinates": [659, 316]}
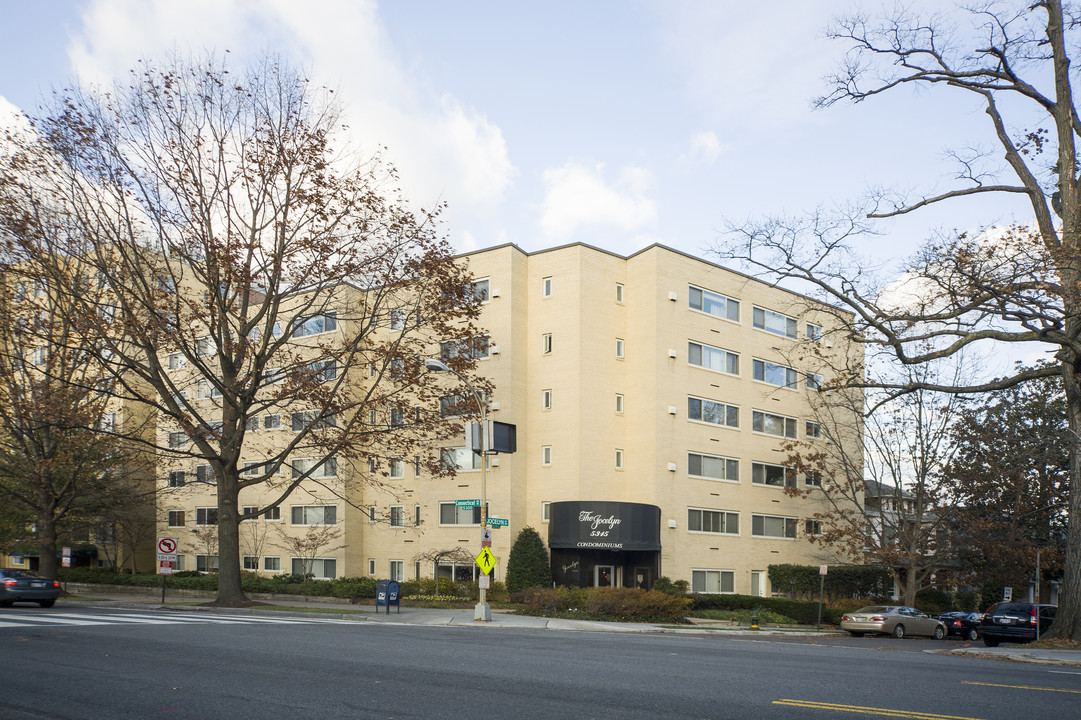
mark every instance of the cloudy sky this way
{"type": "Point", "coordinates": [617, 123]}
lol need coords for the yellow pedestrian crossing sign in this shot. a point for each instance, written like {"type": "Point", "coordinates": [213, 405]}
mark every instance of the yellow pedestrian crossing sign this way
{"type": "Point", "coordinates": [486, 560]}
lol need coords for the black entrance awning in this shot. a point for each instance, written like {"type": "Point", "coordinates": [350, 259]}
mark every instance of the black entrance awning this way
{"type": "Point", "coordinates": [604, 525]}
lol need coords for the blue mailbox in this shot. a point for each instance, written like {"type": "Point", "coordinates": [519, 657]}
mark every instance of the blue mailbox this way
{"type": "Point", "coordinates": [387, 593]}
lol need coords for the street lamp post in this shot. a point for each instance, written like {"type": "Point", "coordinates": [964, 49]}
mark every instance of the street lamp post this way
{"type": "Point", "coordinates": [483, 611]}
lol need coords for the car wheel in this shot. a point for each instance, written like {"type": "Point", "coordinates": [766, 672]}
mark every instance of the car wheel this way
{"type": "Point", "coordinates": [972, 634]}
{"type": "Point", "coordinates": [46, 603]}
{"type": "Point", "coordinates": [990, 642]}
{"type": "Point", "coordinates": [898, 631]}
{"type": "Point", "coordinates": [939, 632]}
{"type": "Point", "coordinates": [855, 634]}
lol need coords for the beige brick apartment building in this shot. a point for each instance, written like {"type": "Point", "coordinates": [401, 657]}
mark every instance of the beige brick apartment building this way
{"type": "Point", "coordinates": [651, 395]}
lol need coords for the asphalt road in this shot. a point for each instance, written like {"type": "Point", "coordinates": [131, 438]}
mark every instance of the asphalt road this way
{"type": "Point", "coordinates": [112, 664]}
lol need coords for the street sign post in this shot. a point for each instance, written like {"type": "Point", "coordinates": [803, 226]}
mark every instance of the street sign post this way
{"type": "Point", "coordinates": [486, 560]}
{"type": "Point", "coordinates": [822, 570]}
{"type": "Point", "coordinates": [167, 560]}
{"type": "Point", "coordinates": [467, 503]}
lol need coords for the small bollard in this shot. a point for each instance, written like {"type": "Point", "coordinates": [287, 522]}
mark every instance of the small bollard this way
{"type": "Point", "coordinates": [754, 620]}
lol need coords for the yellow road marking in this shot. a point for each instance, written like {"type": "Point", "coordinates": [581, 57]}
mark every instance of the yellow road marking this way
{"type": "Point", "coordinates": [869, 710]}
{"type": "Point", "coordinates": [1022, 687]}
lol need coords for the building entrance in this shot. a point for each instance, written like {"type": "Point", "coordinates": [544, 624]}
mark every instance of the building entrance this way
{"type": "Point", "coordinates": [604, 544]}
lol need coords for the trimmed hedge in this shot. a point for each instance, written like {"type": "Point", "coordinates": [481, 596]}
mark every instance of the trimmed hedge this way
{"type": "Point", "coordinates": [609, 603]}
{"type": "Point", "coordinates": [843, 581]}
{"type": "Point", "coordinates": [803, 612]}
{"type": "Point", "coordinates": [354, 587]}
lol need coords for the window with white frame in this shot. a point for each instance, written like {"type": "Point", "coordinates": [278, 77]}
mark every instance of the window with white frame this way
{"type": "Point", "coordinates": [773, 526]}
{"type": "Point", "coordinates": [327, 468]}
{"type": "Point", "coordinates": [272, 564]}
{"type": "Point", "coordinates": [176, 518]}
{"type": "Point", "coordinates": [774, 373]}
{"type": "Point", "coordinates": [250, 510]}
{"type": "Point", "coordinates": [177, 440]}
{"type": "Point", "coordinates": [459, 459]}
{"type": "Point", "coordinates": [416, 516]}
{"type": "Point", "coordinates": [813, 429]}
{"type": "Point", "coordinates": [176, 361]}
{"type": "Point", "coordinates": [712, 358]}
{"type": "Point", "coordinates": [397, 570]}
{"type": "Point", "coordinates": [206, 389]}
{"type": "Point", "coordinates": [206, 563]}
{"type": "Point", "coordinates": [473, 348]}
{"type": "Point", "coordinates": [324, 370]}
{"type": "Point", "coordinates": [451, 514]}
{"type": "Point", "coordinates": [206, 516]}
{"type": "Point", "coordinates": [813, 479]}
{"type": "Point", "coordinates": [718, 522]}
{"type": "Point", "coordinates": [812, 527]}
{"type": "Point", "coordinates": [713, 581]}
{"type": "Point", "coordinates": [252, 468]}
{"type": "Point", "coordinates": [712, 412]}
{"type": "Point", "coordinates": [619, 292]}
{"type": "Point", "coordinates": [457, 404]}
{"type": "Point", "coordinates": [814, 381]}
{"type": "Point", "coordinates": [397, 468]}
{"type": "Point", "coordinates": [397, 516]}
{"type": "Point", "coordinates": [546, 399]}
{"type": "Point", "coordinates": [620, 348]}
{"type": "Point", "coordinates": [313, 514]}
{"type": "Point", "coordinates": [814, 332]}
{"type": "Point", "coordinates": [316, 325]}
{"type": "Point", "coordinates": [321, 568]}
{"type": "Point", "coordinates": [713, 303]}
{"type": "Point", "coordinates": [773, 424]}
{"type": "Point", "coordinates": [546, 287]}
{"type": "Point", "coordinates": [546, 343]}
{"type": "Point", "coordinates": [546, 511]}
{"type": "Point", "coordinates": [546, 455]}
{"type": "Point", "coordinates": [274, 513]}
{"type": "Point", "coordinates": [371, 566]}
{"type": "Point", "coordinates": [251, 562]}
{"type": "Point", "coordinates": [479, 288]}
{"type": "Point", "coordinates": [204, 346]}
{"type": "Point", "coordinates": [397, 319]}
{"type": "Point", "coordinates": [251, 423]}
{"type": "Point", "coordinates": [774, 322]}
{"type": "Point", "coordinates": [176, 478]}
{"type": "Point", "coordinates": [619, 459]}
{"type": "Point", "coordinates": [204, 474]}
{"type": "Point", "coordinates": [311, 418]}
{"type": "Point", "coordinates": [712, 467]}
{"type": "Point", "coordinates": [371, 513]}
{"type": "Point", "coordinates": [272, 422]}
{"type": "Point", "coordinates": [773, 475]}
{"type": "Point", "coordinates": [619, 403]}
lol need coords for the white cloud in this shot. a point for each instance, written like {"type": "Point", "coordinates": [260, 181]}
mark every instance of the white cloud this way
{"type": "Point", "coordinates": [577, 195]}
{"type": "Point", "coordinates": [705, 148]}
{"type": "Point", "coordinates": [443, 149]}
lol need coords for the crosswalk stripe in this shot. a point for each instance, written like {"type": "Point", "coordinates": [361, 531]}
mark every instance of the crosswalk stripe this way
{"type": "Point", "coordinates": [20, 619]}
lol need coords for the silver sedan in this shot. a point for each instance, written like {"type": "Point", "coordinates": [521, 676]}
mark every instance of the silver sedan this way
{"type": "Point", "coordinates": [893, 620]}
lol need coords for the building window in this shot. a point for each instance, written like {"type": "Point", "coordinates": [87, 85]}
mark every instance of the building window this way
{"type": "Point", "coordinates": [775, 475]}
{"type": "Point", "coordinates": [711, 358]}
{"type": "Point", "coordinates": [397, 468]}
{"type": "Point", "coordinates": [416, 516]}
{"type": "Point", "coordinates": [712, 521]}
{"type": "Point", "coordinates": [546, 455]}
{"type": "Point", "coordinates": [773, 526]}
{"type": "Point", "coordinates": [546, 287]}
{"type": "Point", "coordinates": [416, 570]}
{"type": "Point", "coordinates": [397, 570]}
{"type": "Point", "coordinates": [546, 399]}
{"type": "Point", "coordinates": [177, 440]}
{"type": "Point", "coordinates": [327, 468]}
{"type": "Point", "coordinates": [252, 469]}
{"type": "Point", "coordinates": [272, 422]}
{"type": "Point", "coordinates": [813, 429]}
{"type": "Point", "coordinates": [321, 568]}
{"type": "Point", "coordinates": [814, 381]}
{"type": "Point", "coordinates": [546, 511]}
{"type": "Point", "coordinates": [204, 474]}
{"type": "Point", "coordinates": [459, 459]}
{"type": "Point", "coordinates": [619, 348]}
{"type": "Point", "coordinates": [397, 516]}
{"type": "Point", "coordinates": [206, 389]}
{"type": "Point", "coordinates": [772, 424]}
{"type": "Point", "coordinates": [311, 419]}
{"type": "Point", "coordinates": [713, 581]}
{"type": "Point", "coordinates": [619, 459]}
{"type": "Point", "coordinates": [451, 514]}
{"type": "Point", "coordinates": [206, 563]}
{"type": "Point", "coordinates": [206, 516]}
{"type": "Point", "coordinates": [397, 319]}
{"type": "Point", "coordinates": [176, 518]}
{"type": "Point", "coordinates": [774, 322]}
{"type": "Point", "coordinates": [272, 564]}
{"type": "Point", "coordinates": [712, 412]}
{"type": "Point", "coordinates": [371, 566]}
{"type": "Point", "coordinates": [252, 510]}
{"type": "Point", "coordinates": [619, 292]}
{"type": "Point", "coordinates": [371, 513]}
{"type": "Point", "coordinates": [546, 343]}
{"type": "Point", "coordinates": [479, 288]}
{"type": "Point", "coordinates": [274, 513]}
{"type": "Point", "coordinates": [251, 562]}
{"type": "Point", "coordinates": [619, 403]}
{"type": "Point", "coordinates": [316, 325]}
{"type": "Point", "coordinates": [474, 348]}
{"type": "Point", "coordinates": [713, 304]}
{"type": "Point", "coordinates": [712, 467]}
{"type": "Point", "coordinates": [814, 332]}
{"type": "Point", "coordinates": [313, 514]}
{"type": "Point", "coordinates": [176, 361]}
{"type": "Point", "coordinates": [176, 478]}
{"type": "Point", "coordinates": [774, 374]}
{"type": "Point", "coordinates": [813, 479]}
{"type": "Point", "coordinates": [456, 405]}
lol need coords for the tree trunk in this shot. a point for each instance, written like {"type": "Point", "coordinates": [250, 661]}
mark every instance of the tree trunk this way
{"type": "Point", "coordinates": [230, 591]}
{"type": "Point", "coordinates": [47, 545]}
{"type": "Point", "coordinates": [1068, 619]}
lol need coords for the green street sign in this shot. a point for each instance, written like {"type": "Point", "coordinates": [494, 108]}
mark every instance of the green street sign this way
{"type": "Point", "coordinates": [498, 522]}
{"type": "Point", "coordinates": [467, 503]}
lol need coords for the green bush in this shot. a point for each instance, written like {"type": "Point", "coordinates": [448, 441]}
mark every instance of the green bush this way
{"type": "Point", "coordinates": [933, 601]}
{"type": "Point", "coordinates": [528, 564]}
{"type": "Point", "coordinates": [967, 600]}
{"type": "Point", "coordinates": [843, 581]}
{"type": "Point", "coordinates": [803, 612]}
{"type": "Point", "coordinates": [678, 588]}
{"type": "Point", "coordinates": [626, 604]}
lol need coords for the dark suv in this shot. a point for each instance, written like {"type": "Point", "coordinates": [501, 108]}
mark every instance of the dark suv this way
{"type": "Point", "coordinates": [1015, 622]}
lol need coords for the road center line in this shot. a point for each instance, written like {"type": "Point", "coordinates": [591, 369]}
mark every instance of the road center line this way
{"type": "Point", "coordinates": [1022, 687]}
{"type": "Point", "coordinates": [913, 714]}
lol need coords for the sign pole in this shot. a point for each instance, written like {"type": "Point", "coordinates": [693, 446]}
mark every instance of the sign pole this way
{"type": "Point", "coordinates": [822, 570]}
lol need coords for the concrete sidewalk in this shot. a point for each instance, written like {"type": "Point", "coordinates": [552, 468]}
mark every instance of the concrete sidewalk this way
{"type": "Point", "coordinates": [194, 601]}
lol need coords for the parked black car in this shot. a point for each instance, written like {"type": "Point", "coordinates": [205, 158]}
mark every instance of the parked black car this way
{"type": "Point", "coordinates": [22, 586]}
{"type": "Point", "coordinates": [1015, 622]}
{"type": "Point", "coordinates": [965, 625]}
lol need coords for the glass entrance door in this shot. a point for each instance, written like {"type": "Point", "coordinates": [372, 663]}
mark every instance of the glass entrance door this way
{"type": "Point", "coordinates": [604, 575]}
